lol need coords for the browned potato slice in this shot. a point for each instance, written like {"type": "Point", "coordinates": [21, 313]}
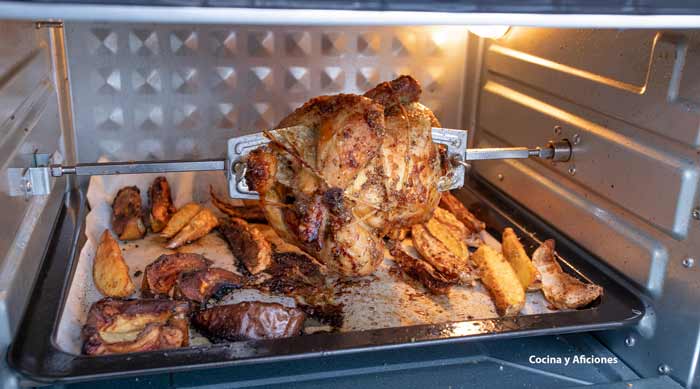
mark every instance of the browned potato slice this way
{"type": "Point", "coordinates": [248, 244]}
{"type": "Point", "coordinates": [420, 270]}
{"type": "Point", "coordinates": [180, 219]}
{"type": "Point", "coordinates": [126, 214]}
{"type": "Point", "coordinates": [439, 256]}
{"type": "Point", "coordinates": [161, 203]}
{"type": "Point", "coordinates": [515, 253]}
{"type": "Point", "coordinates": [452, 204]}
{"type": "Point", "coordinates": [562, 290]}
{"type": "Point", "coordinates": [500, 280]}
{"type": "Point", "coordinates": [109, 271]}
{"type": "Point", "coordinates": [249, 211]}
{"type": "Point", "coordinates": [198, 226]}
{"type": "Point", "coordinates": [449, 234]}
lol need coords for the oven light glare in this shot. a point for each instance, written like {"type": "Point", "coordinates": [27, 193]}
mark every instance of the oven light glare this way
{"type": "Point", "coordinates": [493, 32]}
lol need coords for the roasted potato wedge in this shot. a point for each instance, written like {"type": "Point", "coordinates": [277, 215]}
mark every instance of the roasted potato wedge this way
{"type": "Point", "coordinates": [199, 286]}
{"type": "Point", "coordinates": [450, 234]}
{"type": "Point", "coordinates": [248, 244]}
{"type": "Point", "coordinates": [160, 277]}
{"type": "Point", "coordinates": [250, 212]}
{"type": "Point", "coordinates": [421, 271]}
{"type": "Point", "coordinates": [500, 280]}
{"type": "Point", "coordinates": [201, 224]}
{"type": "Point", "coordinates": [161, 203]}
{"type": "Point", "coordinates": [439, 256]}
{"type": "Point", "coordinates": [248, 320]}
{"type": "Point", "coordinates": [562, 290]}
{"type": "Point", "coordinates": [119, 326]}
{"type": "Point", "coordinates": [180, 219]}
{"type": "Point", "coordinates": [109, 271]}
{"type": "Point", "coordinates": [449, 202]}
{"type": "Point", "coordinates": [127, 219]}
{"type": "Point", "coordinates": [515, 253]}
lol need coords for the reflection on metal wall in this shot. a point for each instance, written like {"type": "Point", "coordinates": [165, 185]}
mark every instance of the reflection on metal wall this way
{"type": "Point", "coordinates": [173, 91]}
{"type": "Point", "coordinates": [628, 101]}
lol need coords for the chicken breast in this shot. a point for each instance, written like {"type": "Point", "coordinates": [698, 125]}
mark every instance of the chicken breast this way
{"type": "Point", "coordinates": [343, 171]}
{"type": "Point", "coordinates": [562, 290]}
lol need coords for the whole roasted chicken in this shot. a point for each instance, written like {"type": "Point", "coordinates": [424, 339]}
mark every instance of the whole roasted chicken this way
{"type": "Point", "coordinates": [343, 171]}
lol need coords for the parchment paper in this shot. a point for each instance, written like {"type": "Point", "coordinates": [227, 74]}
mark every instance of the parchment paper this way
{"type": "Point", "coordinates": [385, 299]}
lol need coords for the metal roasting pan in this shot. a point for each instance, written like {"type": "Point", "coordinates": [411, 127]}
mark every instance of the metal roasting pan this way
{"type": "Point", "coordinates": [36, 356]}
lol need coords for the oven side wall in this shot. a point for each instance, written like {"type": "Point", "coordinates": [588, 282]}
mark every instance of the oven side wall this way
{"type": "Point", "coordinates": [628, 102]}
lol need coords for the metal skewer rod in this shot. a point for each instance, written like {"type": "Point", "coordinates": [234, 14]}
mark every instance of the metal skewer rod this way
{"type": "Point", "coordinates": [138, 167]}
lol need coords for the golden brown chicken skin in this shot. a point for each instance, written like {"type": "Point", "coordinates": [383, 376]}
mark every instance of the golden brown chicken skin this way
{"type": "Point", "coordinates": [345, 177]}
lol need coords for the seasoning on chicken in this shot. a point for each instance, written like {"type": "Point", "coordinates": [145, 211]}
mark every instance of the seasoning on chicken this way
{"type": "Point", "coordinates": [248, 245]}
{"type": "Point", "coordinates": [422, 271]}
{"type": "Point", "coordinates": [117, 326]}
{"type": "Point", "coordinates": [562, 290]}
{"type": "Point", "coordinates": [336, 178]}
{"type": "Point", "coordinates": [202, 285]}
{"type": "Point", "coordinates": [126, 214]}
{"type": "Point", "coordinates": [248, 320]}
{"type": "Point", "coordinates": [109, 270]}
{"type": "Point", "coordinates": [200, 225]}
{"type": "Point", "coordinates": [250, 211]}
{"type": "Point", "coordinates": [160, 276]}
{"type": "Point", "coordinates": [162, 208]}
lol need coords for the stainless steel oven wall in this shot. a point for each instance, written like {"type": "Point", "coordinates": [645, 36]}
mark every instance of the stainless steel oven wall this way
{"type": "Point", "coordinates": [629, 101]}
{"type": "Point", "coordinates": [29, 123]}
{"type": "Point", "coordinates": [147, 91]}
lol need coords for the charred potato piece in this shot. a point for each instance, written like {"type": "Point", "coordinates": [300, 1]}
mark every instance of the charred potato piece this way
{"type": "Point", "coordinates": [160, 276]}
{"type": "Point", "coordinates": [250, 211]}
{"type": "Point", "coordinates": [439, 256]}
{"type": "Point", "coordinates": [515, 253]}
{"type": "Point", "coordinates": [421, 271]}
{"type": "Point", "coordinates": [121, 326]}
{"type": "Point", "coordinates": [162, 208]}
{"type": "Point", "coordinates": [126, 214]}
{"type": "Point", "coordinates": [247, 243]}
{"type": "Point", "coordinates": [249, 320]}
{"type": "Point", "coordinates": [562, 290]}
{"type": "Point", "coordinates": [199, 286]}
{"type": "Point", "coordinates": [109, 271]}
{"type": "Point", "coordinates": [180, 219]}
{"type": "Point", "coordinates": [200, 225]}
{"type": "Point", "coordinates": [500, 280]}
{"type": "Point", "coordinates": [449, 202]}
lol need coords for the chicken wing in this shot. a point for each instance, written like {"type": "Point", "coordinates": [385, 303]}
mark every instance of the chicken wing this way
{"type": "Point", "coordinates": [562, 290]}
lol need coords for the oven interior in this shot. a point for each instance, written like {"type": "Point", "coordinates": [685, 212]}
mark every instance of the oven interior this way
{"type": "Point", "coordinates": [626, 99]}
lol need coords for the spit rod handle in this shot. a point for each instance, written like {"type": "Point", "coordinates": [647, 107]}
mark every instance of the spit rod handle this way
{"type": "Point", "coordinates": [138, 167]}
{"type": "Point", "coordinates": [559, 151]}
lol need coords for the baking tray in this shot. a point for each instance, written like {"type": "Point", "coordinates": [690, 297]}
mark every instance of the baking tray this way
{"type": "Point", "coordinates": [36, 355]}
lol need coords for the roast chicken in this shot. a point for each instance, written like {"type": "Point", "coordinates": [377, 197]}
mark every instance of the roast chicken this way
{"type": "Point", "coordinates": [343, 171]}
